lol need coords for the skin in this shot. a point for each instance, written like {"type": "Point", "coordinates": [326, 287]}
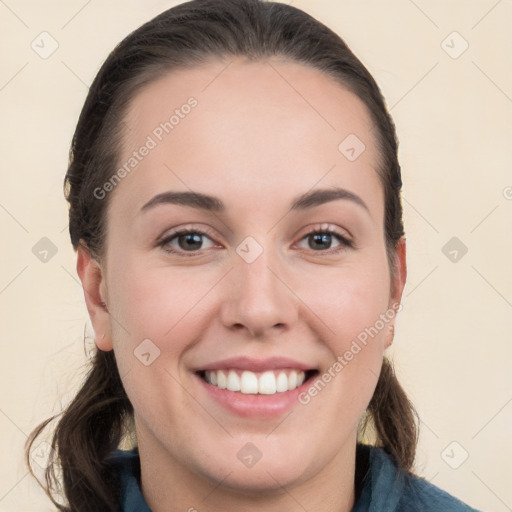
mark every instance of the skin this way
{"type": "Point", "coordinates": [256, 143]}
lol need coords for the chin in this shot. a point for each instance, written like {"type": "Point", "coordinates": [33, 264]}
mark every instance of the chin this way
{"type": "Point", "coordinates": [247, 469]}
{"type": "Point", "coordinates": [268, 478]}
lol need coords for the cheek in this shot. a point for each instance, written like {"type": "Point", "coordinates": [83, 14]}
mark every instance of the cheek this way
{"type": "Point", "coordinates": [154, 301]}
{"type": "Point", "coordinates": [352, 308]}
{"type": "Point", "coordinates": [154, 319]}
{"type": "Point", "coordinates": [351, 299]}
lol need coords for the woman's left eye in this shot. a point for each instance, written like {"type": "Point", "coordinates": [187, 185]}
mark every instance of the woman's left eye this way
{"type": "Point", "coordinates": [321, 241]}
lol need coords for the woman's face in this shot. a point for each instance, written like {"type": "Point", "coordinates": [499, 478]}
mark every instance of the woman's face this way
{"type": "Point", "coordinates": [251, 298]}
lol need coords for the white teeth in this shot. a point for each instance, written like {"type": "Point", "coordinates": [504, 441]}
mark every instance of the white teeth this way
{"type": "Point", "coordinates": [292, 380]}
{"type": "Point", "coordinates": [222, 381]}
{"type": "Point", "coordinates": [267, 383]}
{"type": "Point", "coordinates": [282, 382]}
{"type": "Point", "coordinates": [233, 381]}
{"type": "Point", "coordinates": [250, 383]}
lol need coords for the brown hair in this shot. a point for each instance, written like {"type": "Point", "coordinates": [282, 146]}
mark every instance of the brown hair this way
{"type": "Point", "coordinates": [96, 420]}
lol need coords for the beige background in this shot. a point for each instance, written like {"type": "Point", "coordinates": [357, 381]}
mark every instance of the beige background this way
{"type": "Point", "coordinates": [453, 116]}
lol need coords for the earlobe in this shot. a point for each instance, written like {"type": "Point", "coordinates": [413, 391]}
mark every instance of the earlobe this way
{"type": "Point", "coordinates": [400, 274]}
{"type": "Point", "coordinates": [397, 286]}
{"type": "Point", "coordinates": [94, 286]}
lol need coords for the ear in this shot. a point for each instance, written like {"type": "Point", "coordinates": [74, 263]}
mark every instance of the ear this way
{"type": "Point", "coordinates": [397, 284]}
{"type": "Point", "coordinates": [93, 282]}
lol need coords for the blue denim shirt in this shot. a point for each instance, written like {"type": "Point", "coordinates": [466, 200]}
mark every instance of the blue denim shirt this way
{"type": "Point", "coordinates": [380, 485]}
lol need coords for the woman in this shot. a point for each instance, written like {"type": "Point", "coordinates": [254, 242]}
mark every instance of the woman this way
{"type": "Point", "coordinates": [234, 195]}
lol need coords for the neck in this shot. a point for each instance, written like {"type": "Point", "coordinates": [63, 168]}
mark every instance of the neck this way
{"type": "Point", "coordinates": [169, 486]}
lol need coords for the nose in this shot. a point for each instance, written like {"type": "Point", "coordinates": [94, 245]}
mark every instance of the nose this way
{"type": "Point", "coordinates": [258, 298]}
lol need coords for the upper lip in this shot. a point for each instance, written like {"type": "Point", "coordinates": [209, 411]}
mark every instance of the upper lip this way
{"type": "Point", "coordinates": [256, 365]}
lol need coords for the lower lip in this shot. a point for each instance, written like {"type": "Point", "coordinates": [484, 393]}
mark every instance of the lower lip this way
{"type": "Point", "coordinates": [255, 406]}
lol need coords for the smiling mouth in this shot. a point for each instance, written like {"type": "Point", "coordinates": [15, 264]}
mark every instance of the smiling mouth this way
{"type": "Point", "coordinates": [268, 382]}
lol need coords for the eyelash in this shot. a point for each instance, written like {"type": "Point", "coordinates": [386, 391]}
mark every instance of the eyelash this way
{"type": "Point", "coordinates": [345, 243]}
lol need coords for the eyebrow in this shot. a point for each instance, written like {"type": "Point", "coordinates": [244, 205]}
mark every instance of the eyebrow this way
{"type": "Point", "coordinates": [214, 204]}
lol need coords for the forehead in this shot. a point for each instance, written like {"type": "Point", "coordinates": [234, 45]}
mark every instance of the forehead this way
{"type": "Point", "coordinates": [236, 128]}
